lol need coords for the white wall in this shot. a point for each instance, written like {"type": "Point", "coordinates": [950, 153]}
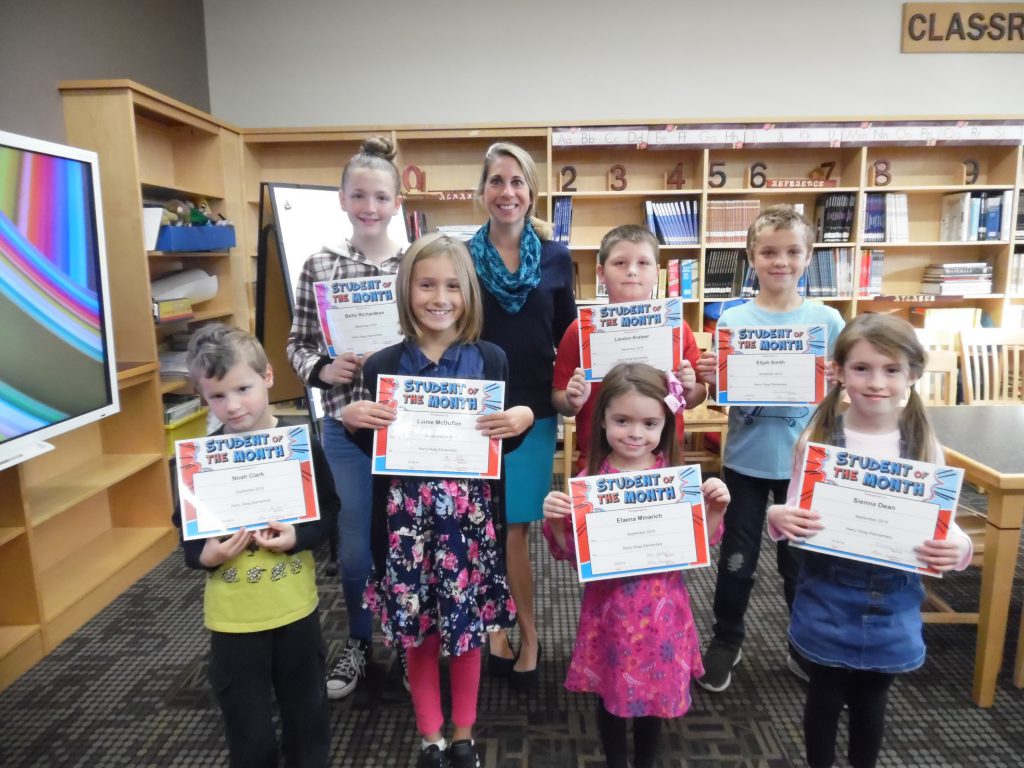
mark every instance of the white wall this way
{"type": "Point", "coordinates": [42, 42]}
{"type": "Point", "coordinates": [414, 62]}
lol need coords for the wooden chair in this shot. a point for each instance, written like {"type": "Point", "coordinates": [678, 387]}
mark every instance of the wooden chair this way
{"type": "Point", "coordinates": [993, 365]}
{"type": "Point", "coordinates": [937, 386]}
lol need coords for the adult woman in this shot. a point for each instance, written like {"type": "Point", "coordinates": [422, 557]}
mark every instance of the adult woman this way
{"type": "Point", "coordinates": [527, 285]}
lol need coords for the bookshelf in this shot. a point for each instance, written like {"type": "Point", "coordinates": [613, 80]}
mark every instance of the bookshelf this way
{"type": "Point", "coordinates": [82, 523]}
{"type": "Point", "coordinates": [609, 173]}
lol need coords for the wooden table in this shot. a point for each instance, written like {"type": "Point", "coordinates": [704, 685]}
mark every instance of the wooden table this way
{"type": "Point", "coordinates": [987, 441]}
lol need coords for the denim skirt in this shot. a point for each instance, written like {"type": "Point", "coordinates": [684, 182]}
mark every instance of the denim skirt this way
{"type": "Point", "coordinates": [857, 615]}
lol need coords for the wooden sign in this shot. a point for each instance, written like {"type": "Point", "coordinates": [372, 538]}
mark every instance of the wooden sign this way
{"type": "Point", "coordinates": [800, 183]}
{"type": "Point", "coordinates": [963, 28]}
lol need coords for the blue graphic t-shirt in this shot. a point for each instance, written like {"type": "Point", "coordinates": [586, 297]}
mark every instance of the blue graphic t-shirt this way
{"type": "Point", "coordinates": [761, 439]}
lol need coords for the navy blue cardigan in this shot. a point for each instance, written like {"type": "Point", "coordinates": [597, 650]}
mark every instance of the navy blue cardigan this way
{"type": "Point", "coordinates": [386, 361]}
{"type": "Point", "coordinates": [531, 336]}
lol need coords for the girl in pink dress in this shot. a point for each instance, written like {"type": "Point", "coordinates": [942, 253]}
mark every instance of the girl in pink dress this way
{"type": "Point", "coordinates": [636, 644]}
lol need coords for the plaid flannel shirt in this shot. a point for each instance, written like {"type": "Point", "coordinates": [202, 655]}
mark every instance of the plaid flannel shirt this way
{"type": "Point", "coordinates": [306, 345]}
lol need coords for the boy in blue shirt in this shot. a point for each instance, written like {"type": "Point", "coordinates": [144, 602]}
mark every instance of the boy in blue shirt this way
{"type": "Point", "coordinates": [260, 598]}
{"type": "Point", "coordinates": [758, 456]}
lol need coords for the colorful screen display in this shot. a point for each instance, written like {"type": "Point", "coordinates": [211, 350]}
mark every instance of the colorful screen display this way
{"type": "Point", "coordinates": [54, 346]}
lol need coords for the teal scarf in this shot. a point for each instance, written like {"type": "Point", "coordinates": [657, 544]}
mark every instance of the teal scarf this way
{"type": "Point", "coordinates": [510, 289]}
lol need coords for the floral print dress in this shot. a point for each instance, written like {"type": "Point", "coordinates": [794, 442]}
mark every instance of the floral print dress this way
{"type": "Point", "coordinates": [636, 643]}
{"type": "Point", "coordinates": [445, 570]}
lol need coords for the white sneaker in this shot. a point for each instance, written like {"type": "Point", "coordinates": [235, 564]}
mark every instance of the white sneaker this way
{"type": "Point", "coordinates": [349, 669]}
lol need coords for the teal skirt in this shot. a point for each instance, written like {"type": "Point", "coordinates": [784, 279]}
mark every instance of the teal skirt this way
{"type": "Point", "coordinates": [528, 473]}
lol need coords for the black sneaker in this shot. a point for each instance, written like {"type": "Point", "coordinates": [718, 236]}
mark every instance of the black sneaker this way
{"type": "Point", "coordinates": [349, 669]}
{"type": "Point", "coordinates": [463, 754]}
{"type": "Point", "coordinates": [719, 660]}
{"type": "Point", "coordinates": [432, 757]}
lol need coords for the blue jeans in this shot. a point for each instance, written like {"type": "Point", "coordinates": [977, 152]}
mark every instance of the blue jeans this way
{"type": "Point", "coordinates": [738, 554]}
{"type": "Point", "coordinates": [351, 470]}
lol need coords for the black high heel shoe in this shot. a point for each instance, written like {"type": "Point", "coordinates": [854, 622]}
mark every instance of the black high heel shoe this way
{"type": "Point", "coordinates": [499, 666]}
{"type": "Point", "coordinates": [527, 681]}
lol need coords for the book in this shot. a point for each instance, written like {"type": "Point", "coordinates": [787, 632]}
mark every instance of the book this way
{"type": "Point", "coordinates": [172, 310]}
{"type": "Point", "coordinates": [672, 287]}
{"type": "Point", "coordinates": [963, 288]}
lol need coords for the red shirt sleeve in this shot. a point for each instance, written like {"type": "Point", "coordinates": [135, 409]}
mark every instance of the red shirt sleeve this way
{"type": "Point", "coordinates": [567, 360]}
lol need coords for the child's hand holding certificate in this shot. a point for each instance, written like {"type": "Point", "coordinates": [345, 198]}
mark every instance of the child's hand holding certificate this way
{"type": "Point", "coordinates": [357, 314]}
{"type": "Point", "coordinates": [435, 433]}
{"type": "Point", "coordinates": [244, 480]}
{"type": "Point", "coordinates": [632, 332]}
{"type": "Point", "coordinates": [771, 365]}
{"type": "Point", "coordinates": [874, 509]}
{"type": "Point", "coordinates": [631, 523]}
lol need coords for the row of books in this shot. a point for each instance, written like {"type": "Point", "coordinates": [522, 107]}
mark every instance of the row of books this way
{"type": "Point", "coordinates": [177, 407]}
{"type": "Point", "coordinates": [683, 279]}
{"type": "Point", "coordinates": [830, 273]}
{"type": "Point", "coordinates": [886, 218]}
{"type": "Point", "coordinates": [869, 280]}
{"type": "Point", "coordinates": [563, 219]}
{"type": "Point", "coordinates": [1020, 221]}
{"type": "Point", "coordinates": [971, 216]}
{"type": "Point", "coordinates": [963, 278]}
{"type": "Point", "coordinates": [834, 217]}
{"type": "Point", "coordinates": [1016, 287]}
{"type": "Point", "coordinates": [674, 222]}
{"type": "Point", "coordinates": [415, 224]}
{"type": "Point", "coordinates": [729, 220]}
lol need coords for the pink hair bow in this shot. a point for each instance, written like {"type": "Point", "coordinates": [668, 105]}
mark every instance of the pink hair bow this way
{"type": "Point", "coordinates": [675, 399]}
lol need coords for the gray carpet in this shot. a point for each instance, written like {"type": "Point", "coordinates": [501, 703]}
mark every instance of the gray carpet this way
{"type": "Point", "coordinates": [129, 689]}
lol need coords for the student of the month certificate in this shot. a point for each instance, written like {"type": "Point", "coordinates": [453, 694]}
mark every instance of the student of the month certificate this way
{"type": "Point", "coordinates": [435, 432]}
{"type": "Point", "coordinates": [876, 509]}
{"type": "Point", "coordinates": [244, 480]}
{"type": "Point", "coordinates": [633, 332]}
{"type": "Point", "coordinates": [771, 365]}
{"type": "Point", "coordinates": [631, 523]}
{"type": "Point", "coordinates": [357, 314]}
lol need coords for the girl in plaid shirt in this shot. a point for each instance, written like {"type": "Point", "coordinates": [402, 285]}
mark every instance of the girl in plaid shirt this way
{"type": "Point", "coordinates": [370, 195]}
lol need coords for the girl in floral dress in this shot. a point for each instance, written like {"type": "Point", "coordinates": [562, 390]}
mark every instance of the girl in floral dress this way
{"type": "Point", "coordinates": [439, 579]}
{"type": "Point", "coordinates": [636, 644]}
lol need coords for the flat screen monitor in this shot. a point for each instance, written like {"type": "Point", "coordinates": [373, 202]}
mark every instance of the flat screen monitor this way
{"type": "Point", "coordinates": [56, 345]}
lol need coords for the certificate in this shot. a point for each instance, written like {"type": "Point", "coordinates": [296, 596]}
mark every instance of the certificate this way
{"type": "Point", "coordinates": [631, 523]}
{"type": "Point", "coordinates": [244, 480]}
{"type": "Point", "coordinates": [435, 433]}
{"type": "Point", "coordinates": [633, 332]}
{"type": "Point", "coordinates": [771, 365]}
{"type": "Point", "coordinates": [357, 315]}
{"type": "Point", "coordinates": [875, 509]}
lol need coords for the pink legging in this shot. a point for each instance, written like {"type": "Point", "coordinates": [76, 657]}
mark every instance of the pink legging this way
{"type": "Point", "coordinates": [425, 682]}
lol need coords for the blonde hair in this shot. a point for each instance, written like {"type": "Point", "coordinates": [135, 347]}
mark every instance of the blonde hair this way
{"type": "Point", "coordinates": [894, 337]}
{"type": "Point", "coordinates": [377, 154]}
{"type": "Point", "coordinates": [777, 217]}
{"type": "Point", "coordinates": [632, 233]}
{"type": "Point", "coordinates": [217, 348]}
{"type": "Point", "coordinates": [530, 176]}
{"type": "Point", "coordinates": [647, 381]}
{"type": "Point", "coordinates": [470, 324]}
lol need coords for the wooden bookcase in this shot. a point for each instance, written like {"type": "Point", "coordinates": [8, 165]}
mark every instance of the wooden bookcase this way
{"type": "Point", "coordinates": [82, 523]}
{"type": "Point", "coordinates": [613, 171]}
